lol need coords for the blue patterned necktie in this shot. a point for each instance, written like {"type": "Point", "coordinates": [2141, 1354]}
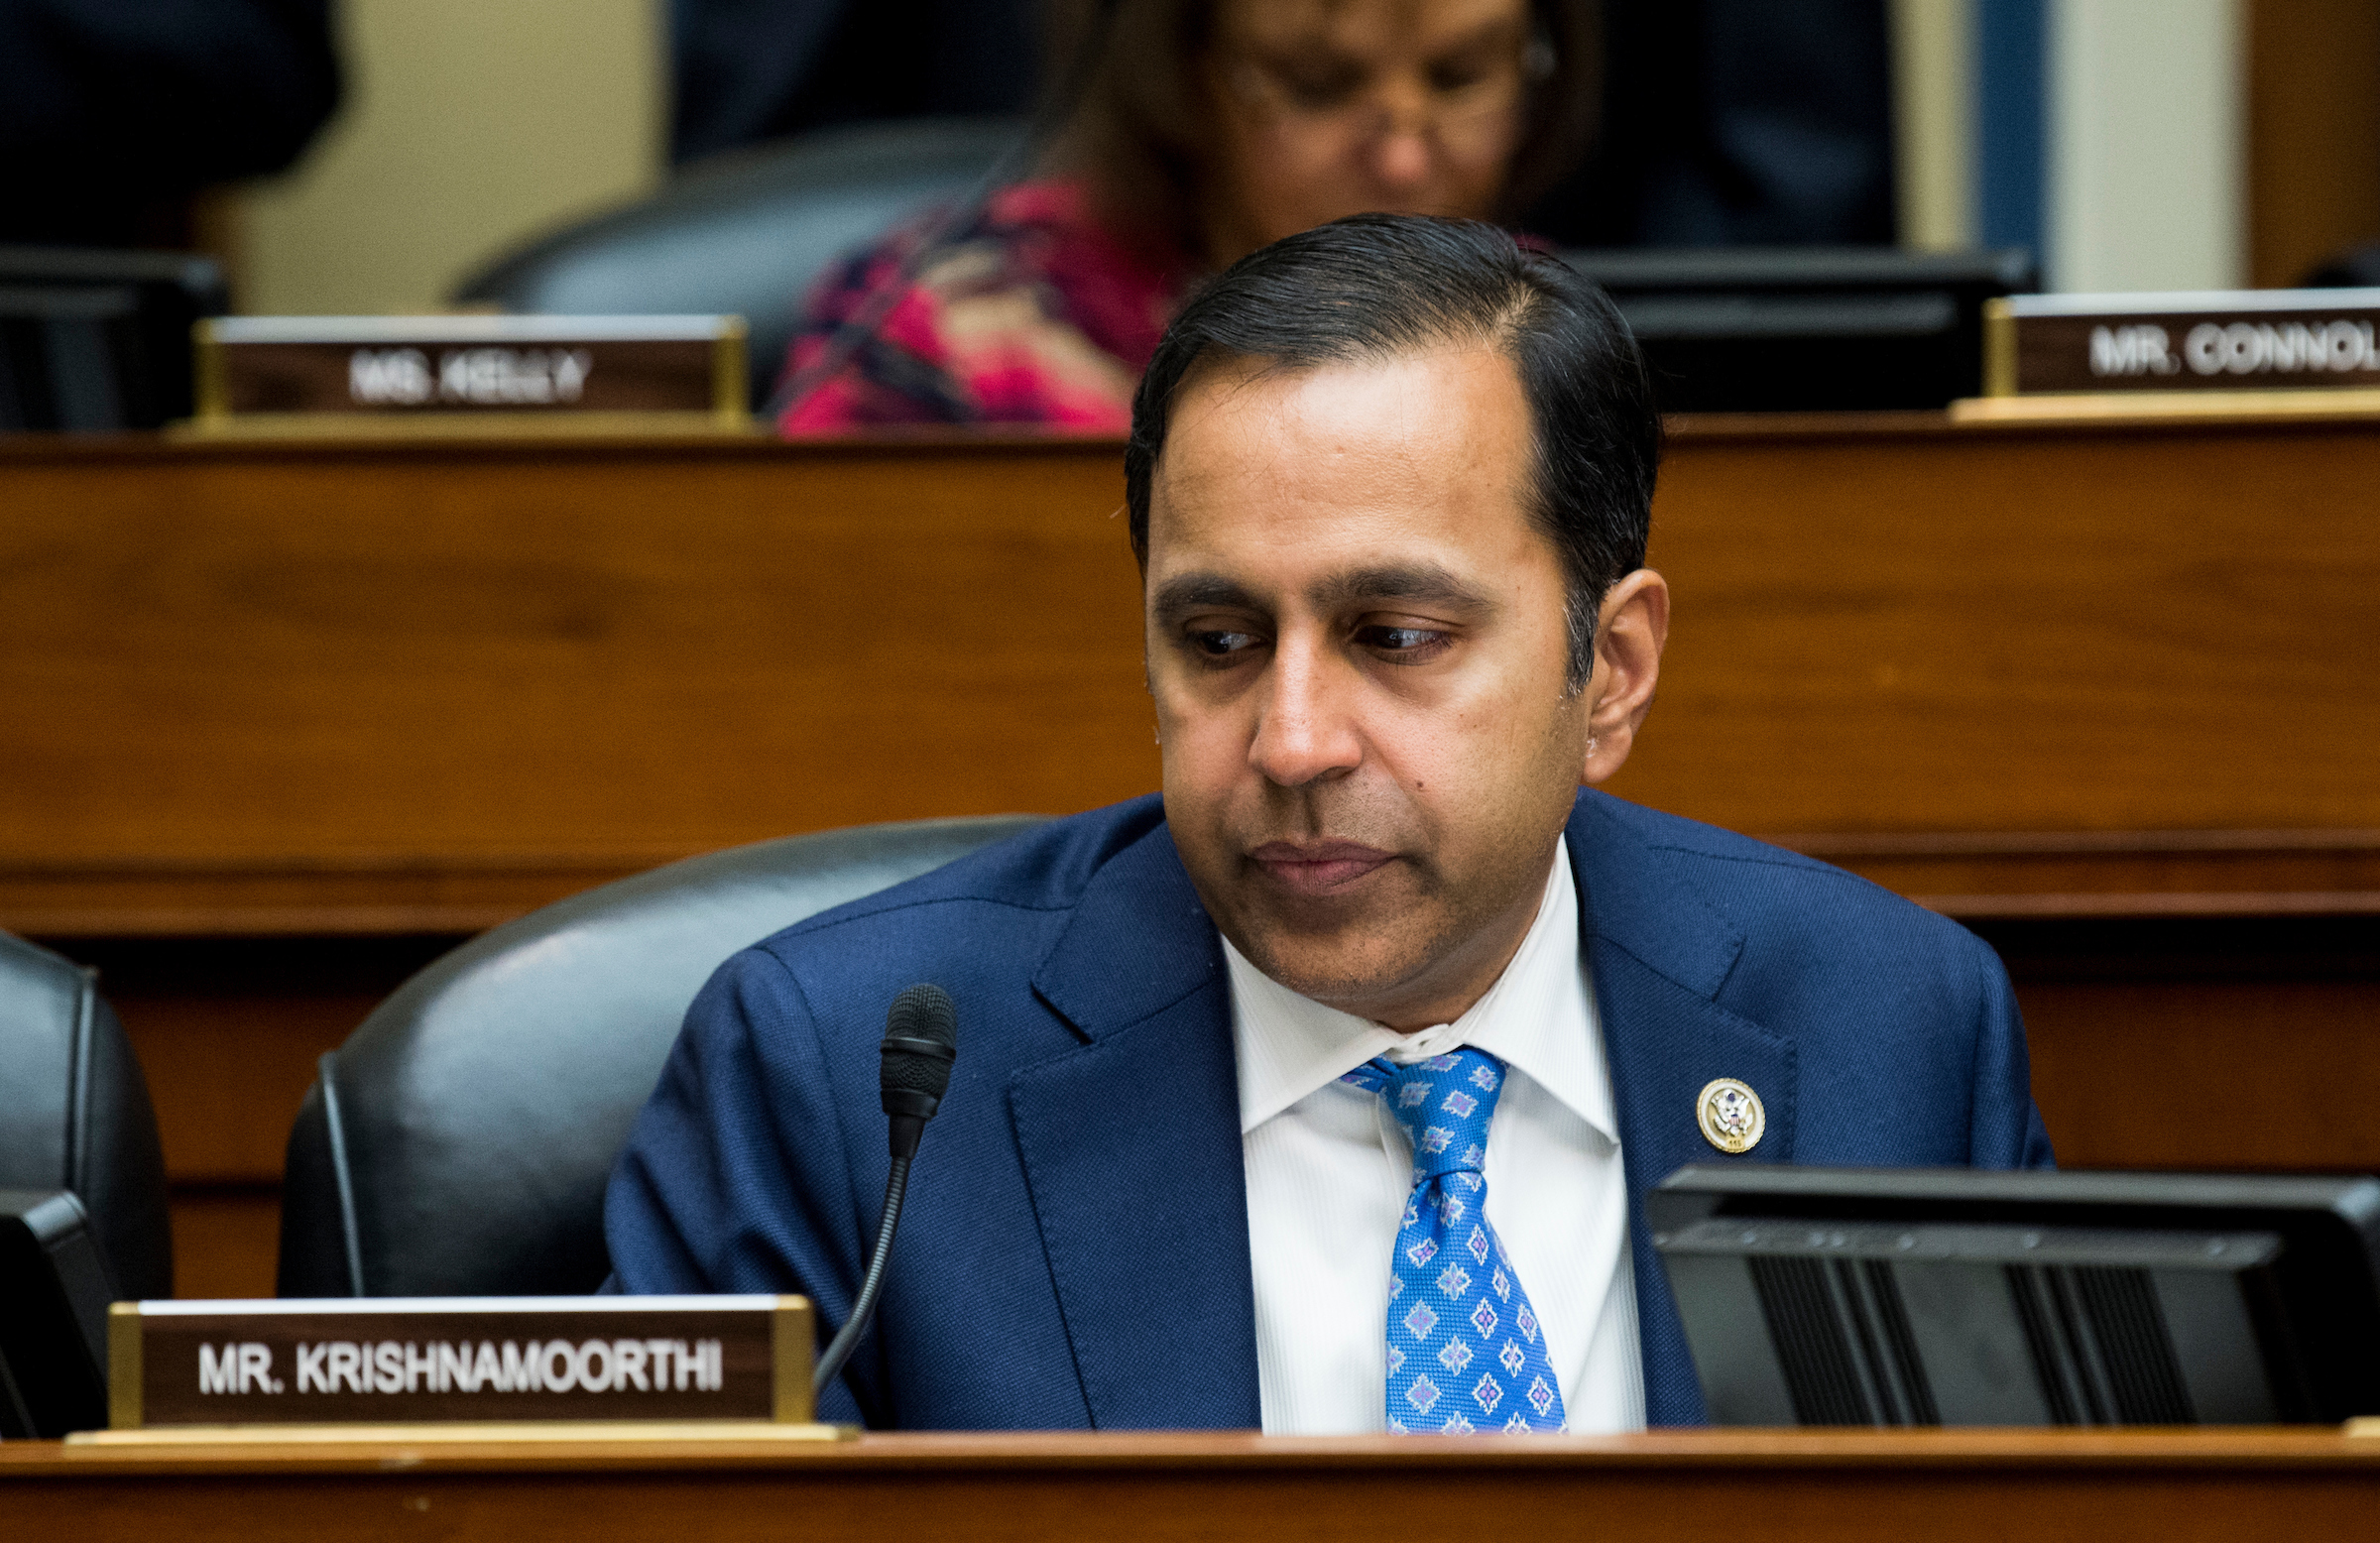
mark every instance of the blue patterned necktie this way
{"type": "Point", "coordinates": [1455, 1300]}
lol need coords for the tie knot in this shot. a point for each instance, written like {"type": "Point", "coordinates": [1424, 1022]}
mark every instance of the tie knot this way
{"type": "Point", "coordinates": [1444, 1104]}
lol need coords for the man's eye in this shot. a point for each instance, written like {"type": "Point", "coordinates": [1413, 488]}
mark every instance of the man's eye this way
{"type": "Point", "coordinates": [1401, 640]}
{"type": "Point", "coordinates": [1218, 645]}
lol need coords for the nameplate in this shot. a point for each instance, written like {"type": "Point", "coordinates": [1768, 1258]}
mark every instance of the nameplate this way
{"type": "Point", "coordinates": [480, 1360]}
{"type": "Point", "coordinates": [2269, 339]}
{"type": "Point", "coordinates": [276, 368]}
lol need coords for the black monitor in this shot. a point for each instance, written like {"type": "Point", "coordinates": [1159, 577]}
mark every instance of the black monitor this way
{"type": "Point", "coordinates": [99, 341]}
{"type": "Point", "coordinates": [1848, 1296]}
{"type": "Point", "coordinates": [1815, 329]}
{"type": "Point", "coordinates": [54, 1290]}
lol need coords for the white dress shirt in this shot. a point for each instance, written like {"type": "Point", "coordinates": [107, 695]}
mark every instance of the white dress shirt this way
{"type": "Point", "coordinates": [1329, 1172]}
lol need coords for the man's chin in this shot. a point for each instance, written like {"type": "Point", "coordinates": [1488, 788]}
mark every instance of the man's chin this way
{"type": "Point", "coordinates": [1348, 969]}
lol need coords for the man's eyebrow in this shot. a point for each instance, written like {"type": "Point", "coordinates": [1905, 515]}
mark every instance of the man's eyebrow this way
{"type": "Point", "coordinates": [1191, 592]}
{"type": "Point", "coordinates": [1426, 582]}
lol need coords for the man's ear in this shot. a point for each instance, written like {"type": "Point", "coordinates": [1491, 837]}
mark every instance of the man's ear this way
{"type": "Point", "coordinates": [1630, 629]}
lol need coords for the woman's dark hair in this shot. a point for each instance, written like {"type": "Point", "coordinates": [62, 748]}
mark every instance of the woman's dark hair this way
{"type": "Point", "coordinates": [1377, 287]}
{"type": "Point", "coordinates": [1140, 134]}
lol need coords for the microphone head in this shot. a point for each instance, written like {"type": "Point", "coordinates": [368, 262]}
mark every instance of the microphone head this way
{"type": "Point", "coordinates": [921, 1039]}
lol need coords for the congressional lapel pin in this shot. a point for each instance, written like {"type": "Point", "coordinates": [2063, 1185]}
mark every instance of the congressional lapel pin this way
{"type": "Point", "coordinates": [1730, 1115]}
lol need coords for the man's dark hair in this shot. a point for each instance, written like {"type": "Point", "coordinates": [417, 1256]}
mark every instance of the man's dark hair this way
{"type": "Point", "coordinates": [1376, 287]}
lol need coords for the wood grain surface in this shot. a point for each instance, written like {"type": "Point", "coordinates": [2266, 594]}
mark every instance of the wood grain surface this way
{"type": "Point", "coordinates": [1753, 1485]}
{"type": "Point", "coordinates": [378, 687]}
{"type": "Point", "coordinates": [2312, 174]}
{"type": "Point", "coordinates": [2015, 635]}
{"type": "Point", "coordinates": [362, 688]}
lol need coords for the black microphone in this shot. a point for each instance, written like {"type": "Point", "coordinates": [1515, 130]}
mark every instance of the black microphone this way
{"type": "Point", "coordinates": [922, 1040]}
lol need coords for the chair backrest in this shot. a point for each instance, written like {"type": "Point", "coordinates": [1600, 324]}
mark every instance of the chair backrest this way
{"type": "Point", "coordinates": [74, 1113]}
{"type": "Point", "coordinates": [459, 1144]}
{"type": "Point", "coordinates": [746, 233]}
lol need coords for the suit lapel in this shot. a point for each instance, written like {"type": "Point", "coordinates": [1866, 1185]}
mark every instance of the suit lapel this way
{"type": "Point", "coordinates": [1132, 1152]}
{"type": "Point", "coordinates": [1131, 1143]}
{"type": "Point", "coordinates": [1658, 953]}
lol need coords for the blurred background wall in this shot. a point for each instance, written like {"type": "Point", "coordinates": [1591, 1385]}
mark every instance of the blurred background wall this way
{"type": "Point", "coordinates": [2135, 144]}
{"type": "Point", "coordinates": [2143, 186]}
{"type": "Point", "coordinates": [468, 125]}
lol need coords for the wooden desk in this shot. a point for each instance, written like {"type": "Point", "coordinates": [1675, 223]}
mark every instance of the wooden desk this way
{"type": "Point", "coordinates": [281, 722]}
{"type": "Point", "coordinates": [1745, 1487]}
{"type": "Point", "coordinates": [376, 689]}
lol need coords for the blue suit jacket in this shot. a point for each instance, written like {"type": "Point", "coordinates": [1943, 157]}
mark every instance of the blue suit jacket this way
{"type": "Point", "coordinates": [1075, 1252]}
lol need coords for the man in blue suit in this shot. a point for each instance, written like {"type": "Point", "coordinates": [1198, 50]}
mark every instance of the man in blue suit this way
{"type": "Point", "coordinates": [1321, 1092]}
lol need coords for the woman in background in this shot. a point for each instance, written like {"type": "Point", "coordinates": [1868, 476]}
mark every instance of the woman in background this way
{"type": "Point", "coordinates": [1210, 128]}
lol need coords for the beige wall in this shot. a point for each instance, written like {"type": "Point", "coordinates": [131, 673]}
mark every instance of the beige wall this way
{"type": "Point", "coordinates": [1933, 87]}
{"type": "Point", "coordinates": [2147, 145]}
{"type": "Point", "coordinates": [468, 125]}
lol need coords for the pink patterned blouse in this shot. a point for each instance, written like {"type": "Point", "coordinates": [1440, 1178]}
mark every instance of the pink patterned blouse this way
{"type": "Point", "coordinates": [1032, 313]}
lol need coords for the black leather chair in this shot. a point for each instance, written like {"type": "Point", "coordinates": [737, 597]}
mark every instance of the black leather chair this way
{"type": "Point", "coordinates": [459, 1144]}
{"type": "Point", "coordinates": [74, 1113]}
{"type": "Point", "coordinates": [2358, 267]}
{"type": "Point", "coordinates": [745, 233]}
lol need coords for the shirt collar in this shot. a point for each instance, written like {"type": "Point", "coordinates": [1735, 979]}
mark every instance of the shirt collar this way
{"type": "Point", "coordinates": [1289, 1045]}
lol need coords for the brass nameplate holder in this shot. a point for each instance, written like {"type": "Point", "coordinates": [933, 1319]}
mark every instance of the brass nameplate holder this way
{"type": "Point", "coordinates": [2150, 349]}
{"type": "Point", "coordinates": [416, 376]}
{"type": "Point", "coordinates": [461, 1368]}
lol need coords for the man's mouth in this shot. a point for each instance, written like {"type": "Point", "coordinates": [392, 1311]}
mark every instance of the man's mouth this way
{"type": "Point", "coordinates": [1316, 868]}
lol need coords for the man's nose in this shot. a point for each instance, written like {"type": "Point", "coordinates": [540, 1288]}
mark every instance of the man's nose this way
{"type": "Point", "coordinates": [1306, 728]}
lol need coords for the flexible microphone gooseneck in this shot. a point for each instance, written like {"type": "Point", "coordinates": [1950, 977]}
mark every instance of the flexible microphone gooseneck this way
{"type": "Point", "coordinates": [921, 1039]}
